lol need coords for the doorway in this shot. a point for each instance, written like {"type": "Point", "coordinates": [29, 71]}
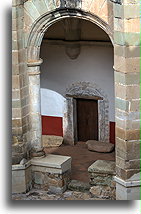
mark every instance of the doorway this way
{"type": "Point", "coordinates": [87, 119]}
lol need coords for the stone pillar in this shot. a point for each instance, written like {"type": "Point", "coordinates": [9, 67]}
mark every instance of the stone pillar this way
{"type": "Point", "coordinates": [127, 90]}
{"type": "Point", "coordinates": [35, 108]}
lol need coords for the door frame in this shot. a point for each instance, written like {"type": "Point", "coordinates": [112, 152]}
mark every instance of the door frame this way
{"type": "Point", "coordinates": [85, 90]}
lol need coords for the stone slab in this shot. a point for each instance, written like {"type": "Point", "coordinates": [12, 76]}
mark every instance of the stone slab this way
{"type": "Point", "coordinates": [53, 161]}
{"type": "Point", "coordinates": [76, 185]}
{"type": "Point", "coordinates": [102, 167]}
{"type": "Point", "coordinates": [51, 140]}
{"type": "Point", "coordinates": [98, 146]}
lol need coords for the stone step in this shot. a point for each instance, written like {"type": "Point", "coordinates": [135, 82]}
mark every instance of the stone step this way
{"type": "Point", "coordinates": [80, 186]}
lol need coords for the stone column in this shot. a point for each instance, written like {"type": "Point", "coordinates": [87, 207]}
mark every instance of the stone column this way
{"type": "Point", "coordinates": [127, 89]}
{"type": "Point", "coordinates": [35, 108]}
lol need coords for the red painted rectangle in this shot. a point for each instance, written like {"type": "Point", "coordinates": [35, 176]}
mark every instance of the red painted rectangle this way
{"type": "Point", "coordinates": [52, 125]}
{"type": "Point", "coordinates": [112, 132]}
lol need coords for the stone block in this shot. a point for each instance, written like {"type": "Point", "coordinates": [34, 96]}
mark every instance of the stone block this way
{"type": "Point", "coordinates": [76, 185]}
{"type": "Point", "coordinates": [16, 123]}
{"type": "Point", "coordinates": [127, 164]}
{"type": "Point", "coordinates": [16, 103]}
{"type": "Point", "coordinates": [98, 146]}
{"type": "Point", "coordinates": [127, 78]}
{"type": "Point", "coordinates": [127, 11]}
{"type": "Point", "coordinates": [15, 82]}
{"type": "Point", "coordinates": [127, 150]}
{"type": "Point", "coordinates": [19, 148]}
{"type": "Point", "coordinates": [127, 51]}
{"type": "Point", "coordinates": [53, 161]}
{"type": "Point", "coordinates": [102, 182]}
{"type": "Point", "coordinates": [16, 113]}
{"type": "Point", "coordinates": [15, 57]}
{"type": "Point", "coordinates": [122, 104]}
{"type": "Point", "coordinates": [104, 192]}
{"type": "Point", "coordinates": [127, 92]}
{"type": "Point", "coordinates": [21, 178]}
{"type": "Point", "coordinates": [52, 140]}
{"type": "Point", "coordinates": [17, 131]}
{"type": "Point", "coordinates": [127, 134]}
{"type": "Point", "coordinates": [127, 25]}
{"type": "Point", "coordinates": [127, 115]}
{"type": "Point", "coordinates": [40, 6]}
{"type": "Point", "coordinates": [126, 65]}
{"type": "Point", "coordinates": [134, 105]}
{"type": "Point", "coordinates": [38, 178]}
{"type": "Point", "coordinates": [32, 10]}
{"type": "Point", "coordinates": [102, 167]}
{"type": "Point", "coordinates": [127, 38]}
{"type": "Point", "coordinates": [52, 172]}
{"type": "Point", "coordinates": [126, 174]}
{"type": "Point", "coordinates": [127, 190]}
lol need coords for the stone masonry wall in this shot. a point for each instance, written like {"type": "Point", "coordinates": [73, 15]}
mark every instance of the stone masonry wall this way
{"type": "Point", "coordinates": [127, 78]}
{"type": "Point", "coordinates": [52, 182]}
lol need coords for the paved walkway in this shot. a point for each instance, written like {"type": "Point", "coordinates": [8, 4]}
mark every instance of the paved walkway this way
{"type": "Point", "coordinates": [81, 158]}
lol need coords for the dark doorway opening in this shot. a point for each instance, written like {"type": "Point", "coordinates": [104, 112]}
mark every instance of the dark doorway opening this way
{"type": "Point", "coordinates": [87, 119]}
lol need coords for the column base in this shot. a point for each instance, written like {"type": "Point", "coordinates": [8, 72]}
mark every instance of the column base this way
{"type": "Point", "coordinates": [127, 190]}
{"type": "Point", "coordinates": [37, 153]}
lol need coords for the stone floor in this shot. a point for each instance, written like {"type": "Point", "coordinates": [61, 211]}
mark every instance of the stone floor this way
{"type": "Point", "coordinates": [35, 194]}
{"type": "Point", "coordinates": [82, 158]}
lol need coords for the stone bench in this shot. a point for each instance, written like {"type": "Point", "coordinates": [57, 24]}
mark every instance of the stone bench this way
{"type": "Point", "coordinates": [52, 173]}
{"type": "Point", "coordinates": [102, 182]}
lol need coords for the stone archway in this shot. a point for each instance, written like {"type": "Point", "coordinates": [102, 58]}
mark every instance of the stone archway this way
{"type": "Point", "coordinates": [31, 20]}
{"type": "Point", "coordinates": [33, 61]}
{"type": "Point", "coordinates": [85, 90]}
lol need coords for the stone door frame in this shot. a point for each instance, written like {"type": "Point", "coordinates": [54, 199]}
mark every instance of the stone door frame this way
{"type": "Point", "coordinates": [85, 90]}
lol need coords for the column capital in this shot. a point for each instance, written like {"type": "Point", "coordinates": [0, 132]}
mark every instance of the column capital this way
{"type": "Point", "coordinates": [34, 63]}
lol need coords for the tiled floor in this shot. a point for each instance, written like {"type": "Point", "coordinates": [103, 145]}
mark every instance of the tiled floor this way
{"type": "Point", "coordinates": [81, 158]}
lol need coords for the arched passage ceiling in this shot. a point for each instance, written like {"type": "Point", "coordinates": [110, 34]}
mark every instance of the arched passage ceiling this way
{"type": "Point", "coordinates": [88, 31]}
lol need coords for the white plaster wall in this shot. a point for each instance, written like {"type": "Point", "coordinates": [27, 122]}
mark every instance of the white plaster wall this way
{"type": "Point", "coordinates": [52, 103]}
{"type": "Point", "coordinates": [94, 64]}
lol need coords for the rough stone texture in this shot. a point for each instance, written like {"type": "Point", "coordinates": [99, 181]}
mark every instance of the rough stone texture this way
{"type": "Point", "coordinates": [51, 140]}
{"type": "Point", "coordinates": [52, 182]}
{"type": "Point", "coordinates": [76, 185]}
{"type": "Point", "coordinates": [102, 167]}
{"type": "Point", "coordinates": [51, 172]}
{"type": "Point", "coordinates": [98, 146]}
{"type": "Point", "coordinates": [104, 192]}
{"type": "Point", "coordinates": [102, 182]}
{"type": "Point", "coordinates": [36, 194]}
{"type": "Point", "coordinates": [18, 150]}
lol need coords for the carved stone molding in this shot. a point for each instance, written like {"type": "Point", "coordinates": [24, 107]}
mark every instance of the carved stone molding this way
{"type": "Point", "coordinates": [87, 90]}
{"type": "Point", "coordinates": [70, 3]}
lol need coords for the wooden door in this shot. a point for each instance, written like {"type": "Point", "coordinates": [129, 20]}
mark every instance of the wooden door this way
{"type": "Point", "coordinates": [87, 119]}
